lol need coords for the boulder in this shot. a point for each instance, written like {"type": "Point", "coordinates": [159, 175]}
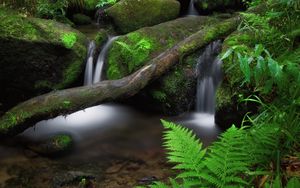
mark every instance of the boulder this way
{"type": "Point", "coordinates": [37, 56]}
{"type": "Point", "coordinates": [208, 6]}
{"type": "Point", "coordinates": [174, 92]}
{"type": "Point", "coordinates": [81, 19]}
{"type": "Point", "coordinates": [130, 15]}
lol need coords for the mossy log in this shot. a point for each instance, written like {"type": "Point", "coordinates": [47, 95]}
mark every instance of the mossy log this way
{"type": "Point", "coordinates": [67, 101]}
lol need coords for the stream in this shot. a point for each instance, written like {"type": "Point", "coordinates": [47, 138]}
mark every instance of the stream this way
{"type": "Point", "coordinates": [115, 145]}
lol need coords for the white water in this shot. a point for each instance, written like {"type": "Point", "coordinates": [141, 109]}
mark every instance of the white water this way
{"type": "Point", "coordinates": [88, 76]}
{"type": "Point", "coordinates": [101, 60]}
{"type": "Point", "coordinates": [192, 10]}
{"type": "Point", "coordinates": [209, 77]}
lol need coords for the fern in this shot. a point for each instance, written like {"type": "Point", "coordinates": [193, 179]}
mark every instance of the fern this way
{"type": "Point", "coordinates": [227, 160]}
{"type": "Point", "coordinates": [183, 149]}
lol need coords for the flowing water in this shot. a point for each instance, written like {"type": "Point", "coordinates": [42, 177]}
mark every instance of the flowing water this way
{"type": "Point", "coordinates": [117, 145]}
{"type": "Point", "coordinates": [101, 60]}
{"type": "Point", "coordinates": [192, 10]}
{"type": "Point", "coordinates": [88, 76]}
{"type": "Point", "coordinates": [209, 77]}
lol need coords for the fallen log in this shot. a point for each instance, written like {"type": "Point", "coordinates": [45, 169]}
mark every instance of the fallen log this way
{"type": "Point", "coordinates": [67, 101]}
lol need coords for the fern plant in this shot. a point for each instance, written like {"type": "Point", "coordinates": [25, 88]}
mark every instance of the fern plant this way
{"type": "Point", "coordinates": [227, 160]}
{"type": "Point", "coordinates": [136, 53]}
{"type": "Point", "coordinates": [184, 150]}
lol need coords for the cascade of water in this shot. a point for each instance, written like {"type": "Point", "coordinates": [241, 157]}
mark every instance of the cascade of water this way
{"type": "Point", "coordinates": [209, 77]}
{"type": "Point", "coordinates": [88, 76]}
{"type": "Point", "coordinates": [101, 60]}
{"type": "Point", "coordinates": [192, 10]}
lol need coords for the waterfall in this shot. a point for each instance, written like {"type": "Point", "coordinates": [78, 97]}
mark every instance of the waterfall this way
{"type": "Point", "coordinates": [209, 77]}
{"type": "Point", "coordinates": [192, 10]}
{"type": "Point", "coordinates": [88, 76]}
{"type": "Point", "coordinates": [101, 60]}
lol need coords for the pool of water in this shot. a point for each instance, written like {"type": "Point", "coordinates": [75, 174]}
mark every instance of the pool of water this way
{"type": "Point", "coordinates": [114, 146]}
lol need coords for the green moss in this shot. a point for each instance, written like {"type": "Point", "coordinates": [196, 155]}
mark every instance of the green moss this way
{"type": "Point", "coordinates": [223, 97]}
{"type": "Point", "coordinates": [129, 15]}
{"type": "Point", "coordinates": [9, 21]}
{"type": "Point", "coordinates": [62, 141]}
{"type": "Point", "coordinates": [159, 95]}
{"type": "Point", "coordinates": [158, 38]}
{"type": "Point", "coordinates": [101, 37]}
{"type": "Point", "coordinates": [69, 39]}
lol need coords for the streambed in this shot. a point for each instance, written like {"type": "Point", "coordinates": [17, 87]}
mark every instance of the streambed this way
{"type": "Point", "coordinates": [114, 146]}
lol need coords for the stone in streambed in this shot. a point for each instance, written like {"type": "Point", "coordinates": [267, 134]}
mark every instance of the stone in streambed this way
{"type": "Point", "coordinates": [81, 19]}
{"type": "Point", "coordinates": [53, 145]}
{"type": "Point", "coordinates": [130, 15]}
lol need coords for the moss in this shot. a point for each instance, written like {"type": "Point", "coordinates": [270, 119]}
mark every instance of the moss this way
{"type": "Point", "coordinates": [50, 56]}
{"type": "Point", "coordinates": [62, 141]}
{"type": "Point", "coordinates": [69, 39]}
{"type": "Point", "coordinates": [101, 37]}
{"type": "Point", "coordinates": [159, 95]}
{"type": "Point", "coordinates": [159, 38]}
{"type": "Point", "coordinates": [129, 15]}
{"type": "Point", "coordinates": [223, 97]}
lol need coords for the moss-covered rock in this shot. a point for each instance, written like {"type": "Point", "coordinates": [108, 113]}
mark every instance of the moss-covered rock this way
{"type": "Point", "coordinates": [53, 145]}
{"type": "Point", "coordinates": [208, 6]}
{"type": "Point", "coordinates": [37, 56]}
{"type": "Point", "coordinates": [173, 93]}
{"type": "Point", "coordinates": [129, 15]}
{"type": "Point", "coordinates": [81, 19]}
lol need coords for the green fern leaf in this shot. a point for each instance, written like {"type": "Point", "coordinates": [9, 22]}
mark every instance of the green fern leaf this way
{"type": "Point", "coordinates": [184, 149]}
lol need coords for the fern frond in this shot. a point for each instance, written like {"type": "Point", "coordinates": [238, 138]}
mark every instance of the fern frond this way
{"type": "Point", "coordinates": [184, 149]}
{"type": "Point", "coordinates": [227, 160]}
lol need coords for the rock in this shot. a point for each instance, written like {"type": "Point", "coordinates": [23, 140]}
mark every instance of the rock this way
{"type": "Point", "coordinates": [208, 6]}
{"type": "Point", "coordinates": [174, 92]}
{"type": "Point", "coordinates": [37, 56]}
{"type": "Point", "coordinates": [81, 19]}
{"type": "Point", "coordinates": [55, 144]}
{"type": "Point", "coordinates": [129, 15]}
{"type": "Point", "coordinates": [184, 5]}
{"type": "Point", "coordinates": [72, 178]}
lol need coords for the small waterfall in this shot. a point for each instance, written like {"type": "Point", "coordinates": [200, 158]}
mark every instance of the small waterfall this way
{"type": "Point", "coordinates": [192, 10]}
{"type": "Point", "coordinates": [88, 76]}
{"type": "Point", "coordinates": [209, 77]}
{"type": "Point", "coordinates": [101, 60]}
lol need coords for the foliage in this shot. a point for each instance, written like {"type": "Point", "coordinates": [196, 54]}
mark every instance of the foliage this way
{"type": "Point", "coordinates": [69, 39]}
{"type": "Point", "coordinates": [184, 149]}
{"type": "Point", "coordinates": [51, 10]}
{"type": "Point", "coordinates": [257, 66]}
{"type": "Point", "coordinates": [240, 155]}
{"type": "Point", "coordinates": [103, 3]}
{"type": "Point", "coordinates": [135, 54]}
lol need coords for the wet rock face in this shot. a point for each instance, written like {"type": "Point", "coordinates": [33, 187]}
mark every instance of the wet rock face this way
{"type": "Point", "coordinates": [184, 5]}
{"type": "Point", "coordinates": [37, 56]}
{"type": "Point", "coordinates": [209, 6]}
{"type": "Point", "coordinates": [130, 15]}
